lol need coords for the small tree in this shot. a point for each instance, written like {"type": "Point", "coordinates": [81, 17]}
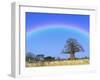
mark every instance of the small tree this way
{"type": "Point", "coordinates": [49, 58]}
{"type": "Point", "coordinates": [71, 47]}
{"type": "Point", "coordinates": [30, 57]}
{"type": "Point", "coordinates": [40, 57]}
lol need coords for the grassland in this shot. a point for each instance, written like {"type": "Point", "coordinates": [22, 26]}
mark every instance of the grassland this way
{"type": "Point", "coordinates": [58, 63]}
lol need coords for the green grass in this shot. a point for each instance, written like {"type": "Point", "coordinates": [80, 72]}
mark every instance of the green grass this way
{"type": "Point", "coordinates": [58, 63]}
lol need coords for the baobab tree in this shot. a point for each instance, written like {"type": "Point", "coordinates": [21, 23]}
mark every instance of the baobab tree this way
{"type": "Point", "coordinates": [71, 47]}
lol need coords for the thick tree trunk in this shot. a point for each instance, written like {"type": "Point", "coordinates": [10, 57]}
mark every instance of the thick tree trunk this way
{"type": "Point", "coordinates": [72, 56]}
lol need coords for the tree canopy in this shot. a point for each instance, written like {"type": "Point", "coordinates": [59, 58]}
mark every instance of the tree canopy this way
{"type": "Point", "coordinates": [71, 47]}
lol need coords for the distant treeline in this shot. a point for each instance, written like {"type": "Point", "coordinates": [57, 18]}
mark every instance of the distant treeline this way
{"type": "Point", "coordinates": [31, 57]}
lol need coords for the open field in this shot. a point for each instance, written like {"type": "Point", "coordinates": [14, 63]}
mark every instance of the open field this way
{"type": "Point", "coordinates": [58, 63]}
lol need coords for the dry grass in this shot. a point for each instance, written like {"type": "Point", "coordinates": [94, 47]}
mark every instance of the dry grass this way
{"type": "Point", "coordinates": [58, 63]}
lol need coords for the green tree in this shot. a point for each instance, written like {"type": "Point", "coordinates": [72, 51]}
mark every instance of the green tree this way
{"type": "Point", "coordinates": [49, 58]}
{"type": "Point", "coordinates": [71, 47]}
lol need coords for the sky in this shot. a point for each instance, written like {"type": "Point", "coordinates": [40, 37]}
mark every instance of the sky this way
{"type": "Point", "coordinates": [47, 33]}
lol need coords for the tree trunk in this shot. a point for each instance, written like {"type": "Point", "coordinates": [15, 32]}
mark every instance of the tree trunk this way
{"type": "Point", "coordinates": [72, 56]}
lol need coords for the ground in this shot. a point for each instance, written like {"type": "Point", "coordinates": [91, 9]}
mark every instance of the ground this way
{"type": "Point", "coordinates": [58, 63]}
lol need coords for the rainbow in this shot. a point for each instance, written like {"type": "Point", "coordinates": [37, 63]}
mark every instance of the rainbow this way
{"type": "Point", "coordinates": [55, 27]}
